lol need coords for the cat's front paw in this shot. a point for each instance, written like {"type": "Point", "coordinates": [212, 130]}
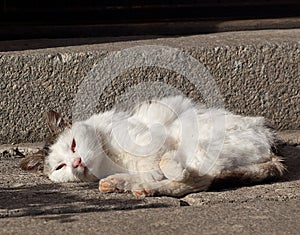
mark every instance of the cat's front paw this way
{"type": "Point", "coordinates": [111, 185]}
{"type": "Point", "coordinates": [143, 192]}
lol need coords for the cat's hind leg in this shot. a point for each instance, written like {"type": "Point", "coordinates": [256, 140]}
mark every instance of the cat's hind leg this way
{"type": "Point", "coordinates": [173, 188]}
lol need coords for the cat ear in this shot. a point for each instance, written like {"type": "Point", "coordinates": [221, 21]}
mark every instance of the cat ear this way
{"type": "Point", "coordinates": [56, 122]}
{"type": "Point", "coordinates": [35, 162]}
{"type": "Point", "coordinates": [73, 145]}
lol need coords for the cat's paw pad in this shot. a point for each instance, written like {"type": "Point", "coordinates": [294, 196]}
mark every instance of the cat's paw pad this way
{"type": "Point", "coordinates": [110, 185]}
{"type": "Point", "coordinates": [143, 192]}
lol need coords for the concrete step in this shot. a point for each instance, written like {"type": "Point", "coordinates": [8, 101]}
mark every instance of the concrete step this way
{"type": "Point", "coordinates": [249, 73]}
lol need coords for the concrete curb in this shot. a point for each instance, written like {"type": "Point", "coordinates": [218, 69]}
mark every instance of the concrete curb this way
{"type": "Point", "coordinates": [257, 73]}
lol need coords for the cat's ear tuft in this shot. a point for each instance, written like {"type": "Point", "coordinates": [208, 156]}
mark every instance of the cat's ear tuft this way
{"type": "Point", "coordinates": [56, 122]}
{"type": "Point", "coordinates": [73, 146]}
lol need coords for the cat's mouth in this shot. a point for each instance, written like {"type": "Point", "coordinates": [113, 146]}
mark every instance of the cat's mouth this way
{"type": "Point", "coordinates": [82, 170]}
{"type": "Point", "coordinates": [79, 167]}
{"type": "Point", "coordinates": [84, 174]}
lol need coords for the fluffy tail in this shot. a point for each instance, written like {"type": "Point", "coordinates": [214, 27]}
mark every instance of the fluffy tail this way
{"type": "Point", "coordinates": [251, 174]}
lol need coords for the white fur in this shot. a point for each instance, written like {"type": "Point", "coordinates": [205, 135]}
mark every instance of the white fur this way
{"type": "Point", "coordinates": [162, 139]}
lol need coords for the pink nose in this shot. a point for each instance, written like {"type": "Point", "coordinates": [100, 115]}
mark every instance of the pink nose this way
{"type": "Point", "coordinates": [77, 163]}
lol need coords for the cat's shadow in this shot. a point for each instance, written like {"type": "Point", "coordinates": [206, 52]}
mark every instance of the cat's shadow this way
{"type": "Point", "coordinates": [291, 157]}
{"type": "Point", "coordinates": [50, 199]}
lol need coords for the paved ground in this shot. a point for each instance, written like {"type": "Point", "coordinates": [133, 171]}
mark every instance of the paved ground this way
{"type": "Point", "coordinates": [31, 204]}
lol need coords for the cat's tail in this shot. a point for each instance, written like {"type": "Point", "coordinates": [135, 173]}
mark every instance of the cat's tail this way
{"type": "Point", "coordinates": [251, 174]}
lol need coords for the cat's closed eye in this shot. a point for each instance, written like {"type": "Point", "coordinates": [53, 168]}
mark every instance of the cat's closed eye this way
{"type": "Point", "coordinates": [60, 166]}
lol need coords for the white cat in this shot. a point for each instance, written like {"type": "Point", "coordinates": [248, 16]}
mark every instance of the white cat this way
{"type": "Point", "coordinates": [169, 147]}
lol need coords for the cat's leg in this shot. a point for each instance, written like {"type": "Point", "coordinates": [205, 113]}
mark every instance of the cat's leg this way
{"type": "Point", "coordinates": [173, 188]}
{"type": "Point", "coordinates": [251, 174]}
{"type": "Point", "coordinates": [172, 179]}
{"type": "Point", "coordinates": [166, 187]}
{"type": "Point", "coordinates": [173, 167]}
{"type": "Point", "coordinates": [126, 182]}
{"type": "Point", "coordinates": [115, 183]}
{"type": "Point", "coordinates": [243, 175]}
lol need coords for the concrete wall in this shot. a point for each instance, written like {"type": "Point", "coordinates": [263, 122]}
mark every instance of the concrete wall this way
{"type": "Point", "coordinates": [257, 73]}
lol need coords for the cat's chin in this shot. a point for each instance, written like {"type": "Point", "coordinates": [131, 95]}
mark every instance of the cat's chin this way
{"type": "Point", "coordinates": [87, 177]}
{"type": "Point", "coordinates": [64, 178]}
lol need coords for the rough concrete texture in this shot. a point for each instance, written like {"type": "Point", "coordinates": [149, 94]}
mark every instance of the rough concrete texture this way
{"type": "Point", "coordinates": [31, 204]}
{"type": "Point", "coordinates": [256, 72]}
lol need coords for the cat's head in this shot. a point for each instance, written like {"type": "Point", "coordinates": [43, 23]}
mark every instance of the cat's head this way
{"type": "Point", "coordinates": [69, 154]}
{"type": "Point", "coordinates": [57, 124]}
